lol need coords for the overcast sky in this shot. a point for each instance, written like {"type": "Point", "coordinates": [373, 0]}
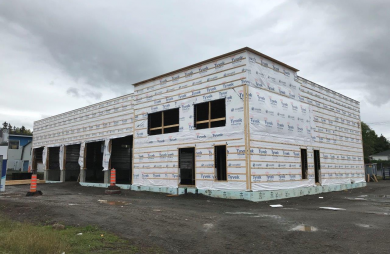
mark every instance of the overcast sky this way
{"type": "Point", "coordinates": [56, 56]}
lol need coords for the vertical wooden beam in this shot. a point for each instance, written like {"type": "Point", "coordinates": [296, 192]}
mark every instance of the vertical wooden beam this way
{"type": "Point", "coordinates": [85, 157]}
{"type": "Point", "coordinates": [33, 160]}
{"type": "Point", "coordinates": [247, 140]}
{"type": "Point", "coordinates": [64, 159]}
{"type": "Point", "coordinates": [209, 114]}
{"type": "Point", "coordinates": [110, 150]}
{"type": "Point", "coordinates": [162, 122]}
{"type": "Point", "coordinates": [132, 148]}
{"type": "Point", "coordinates": [47, 158]}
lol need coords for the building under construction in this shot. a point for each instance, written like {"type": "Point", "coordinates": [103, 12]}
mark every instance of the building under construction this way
{"type": "Point", "coordinates": [240, 125]}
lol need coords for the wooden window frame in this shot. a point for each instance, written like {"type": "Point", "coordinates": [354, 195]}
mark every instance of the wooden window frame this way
{"type": "Point", "coordinates": [162, 127]}
{"type": "Point", "coordinates": [209, 120]}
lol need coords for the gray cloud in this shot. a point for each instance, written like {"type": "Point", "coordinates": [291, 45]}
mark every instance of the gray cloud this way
{"type": "Point", "coordinates": [84, 93]}
{"type": "Point", "coordinates": [73, 92]}
{"type": "Point", "coordinates": [93, 51]}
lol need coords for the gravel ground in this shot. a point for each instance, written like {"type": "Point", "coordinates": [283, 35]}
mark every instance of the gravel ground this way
{"type": "Point", "coordinates": [200, 224]}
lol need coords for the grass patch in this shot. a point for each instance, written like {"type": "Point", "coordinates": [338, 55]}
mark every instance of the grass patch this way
{"type": "Point", "coordinates": [18, 237]}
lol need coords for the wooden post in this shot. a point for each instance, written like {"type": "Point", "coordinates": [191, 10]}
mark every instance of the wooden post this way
{"type": "Point", "coordinates": [34, 161]}
{"type": "Point", "coordinates": [85, 156]}
{"type": "Point", "coordinates": [247, 140]}
{"type": "Point", "coordinates": [64, 159]}
{"type": "Point", "coordinates": [110, 150]}
{"type": "Point", "coordinates": [47, 158]}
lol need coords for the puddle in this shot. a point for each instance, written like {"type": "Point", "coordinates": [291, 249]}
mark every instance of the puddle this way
{"type": "Point", "coordinates": [380, 196]}
{"type": "Point", "coordinates": [363, 225]}
{"type": "Point", "coordinates": [304, 228]}
{"type": "Point", "coordinates": [378, 213]}
{"type": "Point", "coordinates": [115, 203]}
{"type": "Point", "coordinates": [245, 213]}
{"type": "Point", "coordinates": [277, 217]}
{"type": "Point", "coordinates": [358, 199]}
{"type": "Point", "coordinates": [333, 208]}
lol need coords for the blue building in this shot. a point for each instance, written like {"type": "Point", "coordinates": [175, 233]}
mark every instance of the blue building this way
{"type": "Point", "coordinates": [19, 152]}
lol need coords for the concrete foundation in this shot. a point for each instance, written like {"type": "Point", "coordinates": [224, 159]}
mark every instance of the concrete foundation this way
{"type": "Point", "coordinates": [62, 176]}
{"type": "Point", "coordinates": [107, 176]}
{"type": "Point", "coordinates": [255, 196]}
{"type": "Point", "coordinates": [83, 175]}
{"type": "Point", "coordinates": [105, 185]}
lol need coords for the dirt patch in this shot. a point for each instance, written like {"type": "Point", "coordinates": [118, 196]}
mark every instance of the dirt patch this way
{"type": "Point", "coordinates": [199, 224]}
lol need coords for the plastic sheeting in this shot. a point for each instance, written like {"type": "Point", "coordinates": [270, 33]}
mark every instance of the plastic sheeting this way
{"type": "Point", "coordinates": [81, 157]}
{"type": "Point", "coordinates": [106, 154]}
{"type": "Point", "coordinates": [288, 113]}
{"type": "Point", "coordinates": [44, 158]}
{"type": "Point", "coordinates": [62, 153]}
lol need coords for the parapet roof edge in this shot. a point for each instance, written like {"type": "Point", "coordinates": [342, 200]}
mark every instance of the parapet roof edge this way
{"type": "Point", "coordinates": [215, 58]}
{"type": "Point", "coordinates": [20, 135]}
{"type": "Point", "coordinates": [84, 107]}
{"type": "Point", "coordinates": [330, 90]}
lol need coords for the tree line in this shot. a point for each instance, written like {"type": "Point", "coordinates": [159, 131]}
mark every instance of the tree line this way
{"type": "Point", "coordinates": [372, 143]}
{"type": "Point", "coordinates": [16, 130]}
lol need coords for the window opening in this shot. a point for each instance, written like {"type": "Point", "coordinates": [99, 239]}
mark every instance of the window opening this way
{"type": "Point", "coordinates": [210, 114]}
{"type": "Point", "coordinates": [13, 144]}
{"type": "Point", "coordinates": [163, 122]}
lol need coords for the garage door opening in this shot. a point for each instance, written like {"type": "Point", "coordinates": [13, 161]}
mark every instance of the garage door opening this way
{"type": "Point", "coordinates": [94, 160]}
{"type": "Point", "coordinates": [53, 173]}
{"type": "Point", "coordinates": [72, 167]}
{"type": "Point", "coordinates": [121, 158]}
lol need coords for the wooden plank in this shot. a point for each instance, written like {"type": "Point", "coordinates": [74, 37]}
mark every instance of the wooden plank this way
{"type": "Point", "coordinates": [21, 182]}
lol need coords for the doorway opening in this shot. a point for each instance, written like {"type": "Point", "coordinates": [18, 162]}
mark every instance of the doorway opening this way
{"type": "Point", "coordinates": [317, 165]}
{"type": "Point", "coordinates": [121, 158]}
{"type": "Point", "coordinates": [187, 166]}
{"type": "Point", "coordinates": [220, 163]}
{"type": "Point", "coordinates": [304, 163]}
{"type": "Point", "coordinates": [94, 162]}
{"type": "Point", "coordinates": [72, 167]}
{"type": "Point", "coordinates": [53, 173]}
{"type": "Point", "coordinates": [37, 163]}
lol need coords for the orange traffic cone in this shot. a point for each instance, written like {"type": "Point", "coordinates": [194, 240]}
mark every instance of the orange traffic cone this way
{"type": "Point", "coordinates": [33, 187]}
{"type": "Point", "coordinates": [113, 189]}
{"type": "Point", "coordinates": [113, 177]}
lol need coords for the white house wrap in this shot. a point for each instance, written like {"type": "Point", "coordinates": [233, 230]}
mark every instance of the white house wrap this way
{"type": "Point", "coordinates": [274, 121]}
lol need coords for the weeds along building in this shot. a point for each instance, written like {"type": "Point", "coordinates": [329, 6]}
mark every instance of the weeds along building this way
{"type": "Point", "coordinates": [240, 125]}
